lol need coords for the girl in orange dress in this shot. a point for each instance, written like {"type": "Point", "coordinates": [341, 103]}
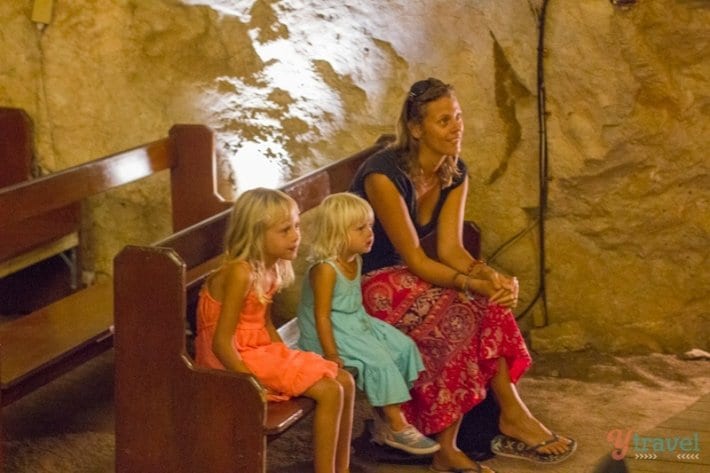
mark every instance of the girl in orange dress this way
{"type": "Point", "coordinates": [235, 331]}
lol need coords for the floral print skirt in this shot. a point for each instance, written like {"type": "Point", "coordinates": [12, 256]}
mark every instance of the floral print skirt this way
{"type": "Point", "coordinates": [459, 337]}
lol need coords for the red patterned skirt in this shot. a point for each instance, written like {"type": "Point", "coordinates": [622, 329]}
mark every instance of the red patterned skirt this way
{"type": "Point", "coordinates": [460, 340]}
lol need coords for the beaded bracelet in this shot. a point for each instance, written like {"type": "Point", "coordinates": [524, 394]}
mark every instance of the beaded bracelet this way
{"type": "Point", "coordinates": [463, 286]}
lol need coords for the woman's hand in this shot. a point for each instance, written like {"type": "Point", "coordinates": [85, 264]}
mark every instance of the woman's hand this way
{"type": "Point", "coordinates": [499, 289]}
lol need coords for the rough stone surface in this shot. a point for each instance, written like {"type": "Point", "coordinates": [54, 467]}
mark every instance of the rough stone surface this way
{"type": "Point", "coordinates": [290, 85]}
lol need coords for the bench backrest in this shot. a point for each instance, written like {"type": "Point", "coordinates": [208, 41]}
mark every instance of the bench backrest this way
{"type": "Point", "coordinates": [188, 152]}
{"type": "Point", "coordinates": [16, 163]}
{"type": "Point", "coordinates": [203, 242]}
{"type": "Point", "coordinates": [15, 146]}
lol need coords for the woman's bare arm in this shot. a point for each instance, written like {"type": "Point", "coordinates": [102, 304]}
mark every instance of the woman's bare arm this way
{"type": "Point", "coordinates": [451, 251]}
{"type": "Point", "coordinates": [391, 211]}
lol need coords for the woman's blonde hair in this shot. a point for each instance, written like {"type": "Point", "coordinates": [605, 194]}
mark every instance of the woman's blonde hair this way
{"type": "Point", "coordinates": [334, 217]}
{"type": "Point", "coordinates": [254, 211]}
{"type": "Point", "coordinates": [413, 112]}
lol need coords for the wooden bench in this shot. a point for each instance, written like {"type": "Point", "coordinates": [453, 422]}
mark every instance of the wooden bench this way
{"type": "Point", "coordinates": [40, 346]}
{"type": "Point", "coordinates": [42, 236]}
{"type": "Point", "coordinates": [23, 243]}
{"type": "Point", "coordinates": [172, 415]}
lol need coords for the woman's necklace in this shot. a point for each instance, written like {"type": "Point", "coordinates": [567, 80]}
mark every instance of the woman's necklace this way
{"type": "Point", "coordinates": [423, 183]}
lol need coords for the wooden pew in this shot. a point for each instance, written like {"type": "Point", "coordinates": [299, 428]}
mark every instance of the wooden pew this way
{"type": "Point", "coordinates": [40, 236]}
{"type": "Point", "coordinates": [40, 346]}
{"type": "Point", "coordinates": [172, 415]}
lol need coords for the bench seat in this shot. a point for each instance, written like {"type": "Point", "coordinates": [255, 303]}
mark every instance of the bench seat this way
{"type": "Point", "coordinates": [38, 347]}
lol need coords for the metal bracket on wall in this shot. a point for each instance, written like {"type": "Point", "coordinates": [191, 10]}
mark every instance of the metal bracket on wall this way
{"type": "Point", "coordinates": [42, 12]}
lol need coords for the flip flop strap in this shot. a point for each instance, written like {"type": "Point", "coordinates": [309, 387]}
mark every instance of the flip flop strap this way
{"type": "Point", "coordinates": [547, 442]}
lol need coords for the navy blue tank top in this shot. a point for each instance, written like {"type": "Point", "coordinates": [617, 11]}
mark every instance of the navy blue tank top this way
{"type": "Point", "coordinates": [385, 162]}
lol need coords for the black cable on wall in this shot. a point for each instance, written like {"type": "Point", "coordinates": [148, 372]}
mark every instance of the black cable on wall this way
{"type": "Point", "coordinates": [543, 177]}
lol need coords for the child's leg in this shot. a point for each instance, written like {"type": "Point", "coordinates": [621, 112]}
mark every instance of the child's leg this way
{"type": "Point", "coordinates": [342, 456]}
{"type": "Point", "coordinates": [393, 416]}
{"type": "Point", "coordinates": [328, 394]}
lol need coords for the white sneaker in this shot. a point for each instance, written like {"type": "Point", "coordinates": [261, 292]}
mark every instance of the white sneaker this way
{"type": "Point", "coordinates": [412, 441]}
{"type": "Point", "coordinates": [408, 439]}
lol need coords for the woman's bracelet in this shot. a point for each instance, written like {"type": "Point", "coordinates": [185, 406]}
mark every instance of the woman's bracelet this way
{"type": "Point", "coordinates": [463, 286]}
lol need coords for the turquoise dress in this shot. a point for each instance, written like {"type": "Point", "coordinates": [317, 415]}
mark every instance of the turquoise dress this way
{"type": "Point", "coordinates": [387, 361]}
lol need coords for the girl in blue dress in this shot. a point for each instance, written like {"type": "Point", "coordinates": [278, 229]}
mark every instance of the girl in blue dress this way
{"type": "Point", "coordinates": [333, 321]}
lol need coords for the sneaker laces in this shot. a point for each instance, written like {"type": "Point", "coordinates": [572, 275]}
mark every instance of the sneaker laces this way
{"type": "Point", "coordinates": [410, 434]}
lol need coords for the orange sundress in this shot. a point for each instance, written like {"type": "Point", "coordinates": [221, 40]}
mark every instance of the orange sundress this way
{"type": "Point", "coordinates": [284, 372]}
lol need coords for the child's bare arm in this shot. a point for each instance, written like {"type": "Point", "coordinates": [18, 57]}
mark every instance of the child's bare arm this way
{"type": "Point", "coordinates": [322, 278]}
{"type": "Point", "coordinates": [233, 285]}
{"type": "Point", "coordinates": [271, 328]}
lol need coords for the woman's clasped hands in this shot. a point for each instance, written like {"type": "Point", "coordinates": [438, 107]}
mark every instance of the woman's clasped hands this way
{"type": "Point", "coordinates": [499, 288]}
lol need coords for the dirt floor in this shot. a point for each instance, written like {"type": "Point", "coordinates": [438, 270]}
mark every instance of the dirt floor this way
{"type": "Point", "coordinates": [584, 395]}
{"type": "Point", "coordinates": [67, 426]}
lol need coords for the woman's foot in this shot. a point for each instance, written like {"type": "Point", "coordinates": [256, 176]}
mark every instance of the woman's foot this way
{"type": "Point", "coordinates": [531, 431]}
{"type": "Point", "coordinates": [447, 461]}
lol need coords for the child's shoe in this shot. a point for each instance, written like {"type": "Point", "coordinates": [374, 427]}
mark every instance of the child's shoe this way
{"type": "Point", "coordinates": [408, 439]}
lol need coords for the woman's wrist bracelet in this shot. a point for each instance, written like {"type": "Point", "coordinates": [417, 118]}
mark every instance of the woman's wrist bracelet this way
{"type": "Point", "coordinates": [463, 286]}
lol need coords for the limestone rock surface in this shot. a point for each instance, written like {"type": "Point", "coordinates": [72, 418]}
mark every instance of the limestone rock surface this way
{"type": "Point", "coordinates": [291, 85]}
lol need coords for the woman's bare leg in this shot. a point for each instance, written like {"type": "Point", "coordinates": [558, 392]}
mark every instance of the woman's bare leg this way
{"type": "Point", "coordinates": [515, 418]}
{"type": "Point", "coordinates": [345, 429]}
{"type": "Point", "coordinates": [450, 456]}
{"type": "Point", "coordinates": [328, 394]}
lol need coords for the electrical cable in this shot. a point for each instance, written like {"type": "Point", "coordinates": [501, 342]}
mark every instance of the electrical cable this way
{"type": "Point", "coordinates": [542, 118]}
{"type": "Point", "coordinates": [541, 293]}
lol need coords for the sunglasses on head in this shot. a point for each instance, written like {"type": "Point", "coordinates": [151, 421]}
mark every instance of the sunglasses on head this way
{"type": "Point", "coordinates": [419, 88]}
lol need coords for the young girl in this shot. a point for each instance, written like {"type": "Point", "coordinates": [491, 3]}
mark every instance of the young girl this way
{"type": "Point", "coordinates": [235, 331]}
{"type": "Point", "coordinates": [333, 321]}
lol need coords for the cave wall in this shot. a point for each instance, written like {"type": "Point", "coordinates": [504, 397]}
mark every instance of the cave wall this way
{"type": "Point", "coordinates": [291, 85]}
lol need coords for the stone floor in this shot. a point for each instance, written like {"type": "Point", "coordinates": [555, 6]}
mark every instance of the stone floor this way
{"type": "Point", "coordinates": [679, 444]}
{"type": "Point", "coordinates": [67, 426]}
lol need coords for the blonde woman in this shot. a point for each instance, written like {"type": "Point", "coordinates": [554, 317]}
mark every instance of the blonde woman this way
{"type": "Point", "coordinates": [455, 307]}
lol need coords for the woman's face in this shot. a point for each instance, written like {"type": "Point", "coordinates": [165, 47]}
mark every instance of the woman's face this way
{"type": "Point", "coordinates": [441, 130]}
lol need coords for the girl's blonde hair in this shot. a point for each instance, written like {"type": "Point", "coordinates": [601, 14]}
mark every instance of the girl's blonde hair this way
{"type": "Point", "coordinates": [254, 211]}
{"type": "Point", "coordinates": [334, 217]}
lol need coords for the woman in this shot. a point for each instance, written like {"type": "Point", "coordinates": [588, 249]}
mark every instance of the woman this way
{"type": "Point", "coordinates": [455, 307]}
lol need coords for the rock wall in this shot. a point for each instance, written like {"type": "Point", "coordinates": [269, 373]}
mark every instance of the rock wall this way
{"type": "Point", "coordinates": [291, 85]}
{"type": "Point", "coordinates": [628, 222]}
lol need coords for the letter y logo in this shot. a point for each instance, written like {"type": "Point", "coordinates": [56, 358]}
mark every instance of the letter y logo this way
{"type": "Point", "coordinates": [620, 442]}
